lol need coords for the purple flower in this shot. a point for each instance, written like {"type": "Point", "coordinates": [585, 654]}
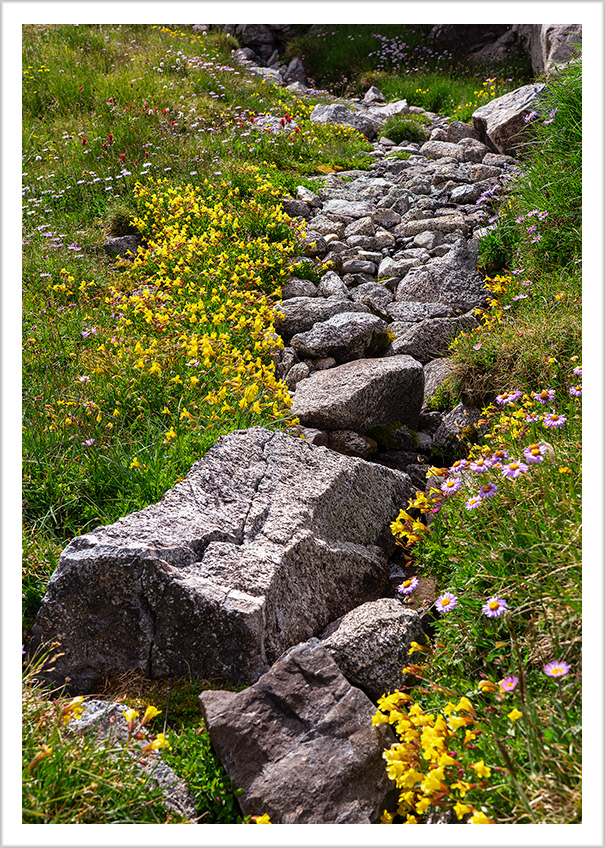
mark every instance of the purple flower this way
{"type": "Point", "coordinates": [530, 116]}
{"type": "Point", "coordinates": [408, 586]}
{"type": "Point", "coordinates": [535, 453]}
{"type": "Point", "coordinates": [480, 465]}
{"type": "Point", "coordinates": [531, 418]}
{"type": "Point", "coordinates": [536, 239]}
{"type": "Point", "coordinates": [508, 683]}
{"type": "Point", "coordinates": [494, 608]}
{"type": "Point", "coordinates": [473, 502]}
{"type": "Point", "coordinates": [459, 465]}
{"type": "Point", "coordinates": [477, 346]}
{"type": "Point", "coordinates": [520, 297]}
{"type": "Point", "coordinates": [88, 442]}
{"type": "Point", "coordinates": [451, 486]}
{"type": "Point", "coordinates": [554, 421]}
{"type": "Point", "coordinates": [576, 391]}
{"type": "Point", "coordinates": [556, 669]}
{"type": "Point", "coordinates": [520, 219]}
{"type": "Point", "coordinates": [446, 602]}
{"type": "Point", "coordinates": [578, 370]}
{"type": "Point", "coordinates": [488, 491]}
{"type": "Point", "coordinates": [545, 396]}
{"type": "Point", "coordinates": [87, 333]}
{"type": "Point", "coordinates": [508, 397]}
{"type": "Point", "coordinates": [498, 457]}
{"type": "Point", "coordinates": [73, 246]}
{"type": "Point", "coordinates": [514, 469]}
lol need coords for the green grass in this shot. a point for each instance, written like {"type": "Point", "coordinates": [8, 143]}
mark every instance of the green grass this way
{"type": "Point", "coordinates": [523, 543]}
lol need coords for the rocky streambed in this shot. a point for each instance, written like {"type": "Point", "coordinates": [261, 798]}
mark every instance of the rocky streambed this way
{"type": "Point", "coordinates": [271, 563]}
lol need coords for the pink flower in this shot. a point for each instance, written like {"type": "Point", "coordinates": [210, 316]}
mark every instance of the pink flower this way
{"type": "Point", "coordinates": [508, 683]}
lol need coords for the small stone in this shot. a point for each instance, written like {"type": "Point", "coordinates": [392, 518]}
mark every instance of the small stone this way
{"type": "Point", "coordinates": [351, 444]}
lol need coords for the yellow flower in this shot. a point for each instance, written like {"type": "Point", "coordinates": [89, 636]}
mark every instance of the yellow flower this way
{"type": "Point", "coordinates": [150, 712]}
{"type": "Point", "coordinates": [481, 769]}
{"type": "Point", "coordinates": [479, 818]}
{"type": "Point", "coordinates": [262, 819]}
{"type": "Point", "coordinates": [487, 686]}
{"type": "Point", "coordinates": [130, 715]}
{"type": "Point", "coordinates": [461, 809]}
{"type": "Point", "coordinates": [513, 715]}
{"type": "Point", "coordinates": [387, 818]}
{"type": "Point", "coordinates": [135, 463]}
{"type": "Point", "coordinates": [160, 741]}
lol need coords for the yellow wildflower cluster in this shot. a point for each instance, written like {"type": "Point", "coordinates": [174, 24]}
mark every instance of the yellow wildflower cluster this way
{"type": "Point", "coordinates": [431, 764]}
{"type": "Point", "coordinates": [413, 529]}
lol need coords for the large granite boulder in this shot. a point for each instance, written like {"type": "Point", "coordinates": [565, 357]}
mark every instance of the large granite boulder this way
{"type": "Point", "coordinates": [550, 45]}
{"type": "Point", "coordinates": [425, 340]}
{"type": "Point", "coordinates": [337, 113]}
{"type": "Point", "coordinates": [266, 541]}
{"type": "Point", "coordinates": [299, 314]}
{"type": "Point", "coordinates": [344, 337]}
{"type": "Point", "coordinates": [501, 123]}
{"type": "Point", "coordinates": [370, 644]}
{"type": "Point", "coordinates": [300, 743]}
{"type": "Point", "coordinates": [362, 394]}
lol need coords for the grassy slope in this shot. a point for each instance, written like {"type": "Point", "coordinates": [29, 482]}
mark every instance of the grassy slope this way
{"type": "Point", "coordinates": [154, 105]}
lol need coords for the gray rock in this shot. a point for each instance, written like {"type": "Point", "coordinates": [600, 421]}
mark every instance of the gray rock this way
{"type": "Point", "coordinates": [296, 373]}
{"type": "Point", "coordinates": [466, 193]}
{"type": "Point", "coordinates": [362, 394]}
{"type": "Point", "coordinates": [300, 743]}
{"type": "Point", "coordinates": [449, 432]}
{"type": "Point", "coordinates": [316, 244]}
{"type": "Point", "coordinates": [358, 266]}
{"type": "Point", "coordinates": [342, 209]}
{"type": "Point", "coordinates": [413, 311]}
{"type": "Point", "coordinates": [296, 72]}
{"type": "Point", "coordinates": [124, 246]}
{"type": "Point", "coordinates": [480, 172]}
{"type": "Point", "coordinates": [298, 314]}
{"type": "Point", "coordinates": [265, 542]}
{"type": "Point", "coordinates": [296, 208]}
{"type": "Point", "coordinates": [325, 226]}
{"type": "Point", "coordinates": [501, 124]}
{"type": "Point", "coordinates": [337, 113]}
{"type": "Point", "coordinates": [436, 372]}
{"type": "Point", "coordinates": [451, 279]}
{"type": "Point", "coordinates": [370, 644]}
{"type": "Point", "coordinates": [309, 197]}
{"type": "Point", "coordinates": [428, 240]}
{"type": "Point", "coordinates": [314, 436]}
{"type": "Point", "coordinates": [298, 288]}
{"type": "Point", "coordinates": [473, 150]}
{"type": "Point", "coordinates": [351, 444]}
{"type": "Point", "coordinates": [362, 242]}
{"type": "Point", "coordinates": [331, 285]}
{"type": "Point", "coordinates": [550, 45]}
{"type": "Point", "coordinates": [384, 239]}
{"type": "Point", "coordinates": [373, 95]}
{"type": "Point", "coordinates": [439, 149]}
{"type": "Point", "coordinates": [431, 338]}
{"type": "Point", "coordinates": [344, 336]}
{"type": "Point", "coordinates": [443, 224]}
{"type": "Point", "coordinates": [499, 160]}
{"type": "Point", "coordinates": [457, 130]}
{"type": "Point", "coordinates": [374, 295]}
{"type": "Point", "coordinates": [360, 227]}
{"type": "Point", "coordinates": [396, 107]}
{"type": "Point", "coordinates": [397, 267]}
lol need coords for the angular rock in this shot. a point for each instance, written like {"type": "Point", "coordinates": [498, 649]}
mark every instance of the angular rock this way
{"type": "Point", "coordinates": [457, 130]}
{"type": "Point", "coordinates": [265, 542]}
{"type": "Point", "coordinates": [436, 372]}
{"type": "Point", "coordinates": [451, 279]}
{"type": "Point", "coordinates": [429, 339]}
{"type": "Point", "coordinates": [442, 224]}
{"type": "Point", "coordinates": [370, 644]}
{"type": "Point", "coordinates": [296, 72]}
{"type": "Point", "coordinates": [418, 311]}
{"type": "Point", "coordinates": [473, 150]}
{"type": "Point", "coordinates": [331, 285]}
{"type": "Point", "coordinates": [396, 107]}
{"type": "Point", "coordinates": [316, 244]}
{"type": "Point", "coordinates": [345, 336]}
{"type": "Point", "coordinates": [450, 431]}
{"type": "Point", "coordinates": [307, 196]}
{"type": "Point", "coordinates": [300, 743]}
{"type": "Point", "coordinates": [325, 226]}
{"type": "Point", "coordinates": [501, 124]}
{"type": "Point", "coordinates": [358, 266]}
{"type": "Point", "coordinates": [296, 208]}
{"type": "Point", "coordinates": [397, 267]}
{"type": "Point", "coordinates": [342, 209]}
{"type": "Point", "coordinates": [124, 246]}
{"type": "Point", "coordinates": [296, 373]}
{"type": "Point", "coordinates": [362, 394]}
{"type": "Point", "coordinates": [373, 95]}
{"type": "Point", "coordinates": [298, 288]}
{"type": "Point", "coordinates": [550, 45]}
{"type": "Point", "coordinates": [298, 314]}
{"type": "Point", "coordinates": [337, 113]}
{"type": "Point", "coordinates": [374, 295]}
{"type": "Point", "coordinates": [439, 149]}
{"type": "Point", "coordinates": [351, 443]}
{"type": "Point", "coordinates": [360, 227]}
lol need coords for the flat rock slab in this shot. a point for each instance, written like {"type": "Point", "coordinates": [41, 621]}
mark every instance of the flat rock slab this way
{"type": "Point", "coordinates": [344, 336]}
{"type": "Point", "coordinates": [370, 644]}
{"type": "Point", "coordinates": [362, 394]}
{"type": "Point", "coordinates": [298, 314]}
{"type": "Point", "coordinates": [300, 743]}
{"type": "Point", "coordinates": [265, 542]}
{"type": "Point", "coordinates": [428, 339]}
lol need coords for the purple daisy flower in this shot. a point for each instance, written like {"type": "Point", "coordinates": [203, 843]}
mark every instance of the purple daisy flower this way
{"type": "Point", "coordinates": [557, 669]}
{"type": "Point", "coordinates": [545, 396]}
{"type": "Point", "coordinates": [578, 370]}
{"type": "Point", "coordinates": [88, 442]}
{"type": "Point", "coordinates": [531, 418]}
{"type": "Point", "coordinates": [576, 391]}
{"type": "Point", "coordinates": [508, 683]}
{"type": "Point", "coordinates": [535, 453]}
{"type": "Point", "coordinates": [473, 502]}
{"type": "Point", "coordinates": [494, 608]}
{"type": "Point", "coordinates": [408, 586]}
{"type": "Point", "coordinates": [514, 469]}
{"type": "Point", "coordinates": [508, 397]}
{"type": "Point", "coordinates": [480, 465]}
{"type": "Point", "coordinates": [488, 491]}
{"type": "Point", "coordinates": [446, 602]}
{"type": "Point", "coordinates": [498, 458]}
{"type": "Point", "coordinates": [554, 421]}
{"type": "Point", "coordinates": [451, 486]}
{"type": "Point", "coordinates": [459, 465]}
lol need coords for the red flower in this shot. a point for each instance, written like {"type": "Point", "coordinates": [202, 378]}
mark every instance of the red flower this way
{"type": "Point", "coordinates": [146, 154]}
{"type": "Point", "coordinates": [110, 138]}
{"type": "Point", "coordinates": [81, 88]}
{"type": "Point", "coordinates": [122, 157]}
{"type": "Point", "coordinates": [83, 142]}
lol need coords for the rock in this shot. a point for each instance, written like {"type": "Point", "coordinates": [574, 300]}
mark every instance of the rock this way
{"type": "Point", "coordinates": [296, 373]}
{"type": "Point", "coordinates": [388, 217]}
{"type": "Point", "coordinates": [501, 124]}
{"type": "Point", "coordinates": [358, 266]}
{"type": "Point", "coordinates": [374, 295]}
{"type": "Point", "coordinates": [373, 95]}
{"type": "Point", "coordinates": [396, 107]}
{"type": "Point", "coordinates": [397, 267]}
{"type": "Point", "coordinates": [314, 436]}
{"type": "Point", "coordinates": [309, 197]}
{"type": "Point", "coordinates": [444, 224]}
{"type": "Point", "coordinates": [370, 644]}
{"type": "Point", "coordinates": [296, 72]}
{"type": "Point", "coordinates": [439, 149]}
{"type": "Point", "coordinates": [550, 45]}
{"type": "Point", "coordinates": [472, 150]}
{"type": "Point", "coordinates": [351, 444]}
{"type": "Point", "coordinates": [384, 239]}
{"type": "Point", "coordinates": [298, 314]}
{"type": "Point", "coordinates": [362, 394]}
{"type": "Point", "coordinates": [104, 720]}
{"type": "Point", "coordinates": [457, 130]}
{"type": "Point", "coordinates": [300, 743]}
{"type": "Point", "coordinates": [438, 134]}
{"type": "Point", "coordinates": [266, 541]}
{"type": "Point", "coordinates": [436, 372]}
{"type": "Point", "coordinates": [344, 336]}
{"type": "Point", "coordinates": [428, 339]}
{"type": "Point", "coordinates": [298, 288]}
{"type": "Point", "coordinates": [361, 227]}
{"type": "Point", "coordinates": [413, 311]}
{"type": "Point", "coordinates": [337, 113]}
{"type": "Point", "coordinates": [316, 245]}
{"type": "Point", "coordinates": [342, 209]}
{"type": "Point", "coordinates": [325, 226]}
{"type": "Point", "coordinates": [428, 240]}
{"type": "Point", "coordinates": [451, 279]}
{"type": "Point", "coordinates": [296, 208]}
{"type": "Point", "coordinates": [124, 246]}
{"type": "Point", "coordinates": [450, 431]}
{"type": "Point", "coordinates": [331, 285]}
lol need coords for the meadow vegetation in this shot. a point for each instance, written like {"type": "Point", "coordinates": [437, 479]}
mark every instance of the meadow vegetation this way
{"type": "Point", "coordinates": [132, 369]}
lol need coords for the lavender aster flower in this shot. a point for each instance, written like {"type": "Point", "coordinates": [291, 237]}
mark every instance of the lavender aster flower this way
{"type": "Point", "coordinates": [545, 396]}
{"type": "Point", "coordinates": [508, 397]}
{"type": "Point", "coordinates": [576, 391]}
{"type": "Point", "coordinates": [554, 421]}
{"type": "Point", "coordinates": [578, 370]}
{"type": "Point", "coordinates": [535, 453]}
{"type": "Point", "coordinates": [480, 465]}
{"type": "Point", "coordinates": [494, 608]}
{"type": "Point", "coordinates": [446, 602]}
{"type": "Point", "coordinates": [514, 469]}
{"type": "Point", "coordinates": [451, 486]}
{"type": "Point", "coordinates": [408, 586]}
{"type": "Point", "coordinates": [488, 491]}
{"type": "Point", "coordinates": [557, 669]}
{"type": "Point", "coordinates": [508, 683]}
{"type": "Point", "coordinates": [473, 502]}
